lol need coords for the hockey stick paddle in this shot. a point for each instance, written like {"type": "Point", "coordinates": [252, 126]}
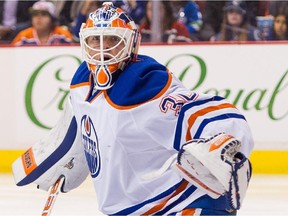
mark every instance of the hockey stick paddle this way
{"type": "Point", "coordinates": [54, 191]}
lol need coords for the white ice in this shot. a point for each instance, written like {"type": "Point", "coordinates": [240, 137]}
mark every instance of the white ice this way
{"type": "Point", "coordinates": [267, 195]}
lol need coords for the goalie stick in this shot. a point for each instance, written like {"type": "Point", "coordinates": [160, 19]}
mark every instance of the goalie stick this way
{"type": "Point", "coordinates": [54, 191]}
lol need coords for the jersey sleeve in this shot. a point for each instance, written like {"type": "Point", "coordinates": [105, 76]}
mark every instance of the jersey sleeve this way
{"type": "Point", "coordinates": [210, 115]}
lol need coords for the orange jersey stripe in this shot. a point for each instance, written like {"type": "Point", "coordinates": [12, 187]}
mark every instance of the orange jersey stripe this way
{"type": "Point", "coordinates": [189, 212]}
{"type": "Point", "coordinates": [79, 85]}
{"type": "Point", "coordinates": [96, 96]}
{"type": "Point", "coordinates": [162, 204]}
{"type": "Point", "coordinates": [202, 112]}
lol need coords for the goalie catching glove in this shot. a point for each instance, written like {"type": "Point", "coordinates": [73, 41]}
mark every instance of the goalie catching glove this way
{"type": "Point", "coordinates": [216, 166]}
{"type": "Point", "coordinates": [60, 153]}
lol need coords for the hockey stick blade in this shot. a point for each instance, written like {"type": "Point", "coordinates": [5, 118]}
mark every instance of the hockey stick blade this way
{"type": "Point", "coordinates": [54, 191]}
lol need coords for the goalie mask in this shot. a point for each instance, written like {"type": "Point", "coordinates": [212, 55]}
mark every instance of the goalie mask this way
{"type": "Point", "coordinates": [109, 40]}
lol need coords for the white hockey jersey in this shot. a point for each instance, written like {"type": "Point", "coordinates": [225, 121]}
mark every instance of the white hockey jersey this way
{"type": "Point", "coordinates": [134, 127]}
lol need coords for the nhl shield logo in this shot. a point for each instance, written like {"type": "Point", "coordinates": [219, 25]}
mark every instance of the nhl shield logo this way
{"type": "Point", "coordinates": [91, 145]}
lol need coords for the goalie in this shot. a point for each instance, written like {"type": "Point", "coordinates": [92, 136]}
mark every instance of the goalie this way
{"type": "Point", "coordinates": [151, 146]}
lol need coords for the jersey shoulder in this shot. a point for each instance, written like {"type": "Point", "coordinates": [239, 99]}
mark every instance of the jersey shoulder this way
{"type": "Point", "coordinates": [81, 76]}
{"type": "Point", "coordinates": [140, 82]}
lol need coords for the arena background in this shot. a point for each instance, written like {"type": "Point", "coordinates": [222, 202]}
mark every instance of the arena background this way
{"type": "Point", "coordinates": [253, 76]}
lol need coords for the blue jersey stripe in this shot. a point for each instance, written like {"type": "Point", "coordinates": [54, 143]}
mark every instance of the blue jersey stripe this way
{"type": "Point", "coordinates": [216, 118]}
{"type": "Point", "coordinates": [206, 202]}
{"type": "Point", "coordinates": [178, 132]}
{"type": "Point", "coordinates": [184, 196]}
{"type": "Point", "coordinates": [134, 208]}
{"type": "Point", "coordinates": [139, 83]}
{"type": "Point", "coordinates": [82, 75]}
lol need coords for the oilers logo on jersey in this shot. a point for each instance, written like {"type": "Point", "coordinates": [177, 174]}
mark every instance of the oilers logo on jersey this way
{"type": "Point", "coordinates": [91, 145]}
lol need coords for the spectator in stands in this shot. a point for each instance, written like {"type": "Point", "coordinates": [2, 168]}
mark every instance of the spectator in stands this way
{"type": "Point", "coordinates": [189, 14]}
{"type": "Point", "coordinates": [254, 9]}
{"type": "Point", "coordinates": [44, 30]}
{"type": "Point", "coordinates": [172, 30]}
{"type": "Point", "coordinates": [136, 9]}
{"type": "Point", "coordinates": [64, 11]}
{"type": "Point", "coordinates": [8, 18]}
{"type": "Point", "coordinates": [279, 29]}
{"type": "Point", "coordinates": [87, 7]}
{"type": "Point", "coordinates": [13, 18]}
{"type": "Point", "coordinates": [235, 26]}
{"type": "Point", "coordinates": [68, 10]}
{"type": "Point", "coordinates": [274, 6]}
{"type": "Point", "coordinates": [212, 19]}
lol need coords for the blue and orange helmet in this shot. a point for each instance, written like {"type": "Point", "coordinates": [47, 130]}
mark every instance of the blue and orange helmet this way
{"type": "Point", "coordinates": [109, 40]}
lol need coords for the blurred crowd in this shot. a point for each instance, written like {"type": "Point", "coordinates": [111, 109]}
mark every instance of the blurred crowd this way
{"type": "Point", "coordinates": [58, 22]}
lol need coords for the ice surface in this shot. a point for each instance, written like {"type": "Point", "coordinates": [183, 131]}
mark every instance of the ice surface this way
{"type": "Point", "coordinates": [267, 195]}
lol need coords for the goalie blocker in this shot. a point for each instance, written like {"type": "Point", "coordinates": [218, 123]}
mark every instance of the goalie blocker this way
{"type": "Point", "coordinates": [216, 166]}
{"type": "Point", "coordinates": [60, 153]}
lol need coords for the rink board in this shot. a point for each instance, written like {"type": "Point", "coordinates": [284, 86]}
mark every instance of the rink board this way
{"type": "Point", "coordinates": [254, 77]}
{"type": "Point", "coordinates": [263, 162]}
